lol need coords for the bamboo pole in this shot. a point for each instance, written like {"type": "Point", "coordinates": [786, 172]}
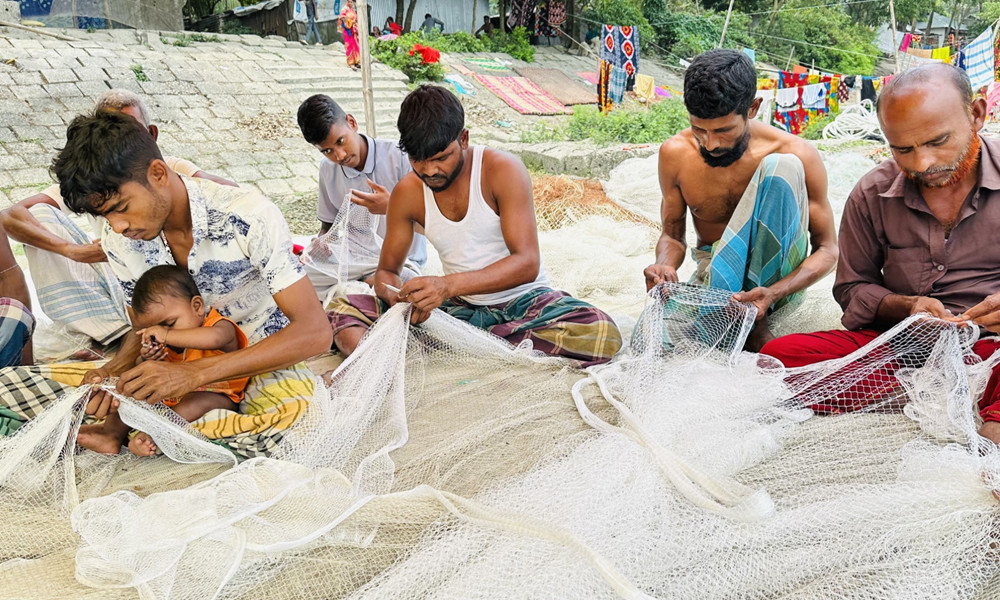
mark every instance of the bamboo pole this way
{"type": "Point", "coordinates": [892, 23]}
{"type": "Point", "coordinates": [725, 25]}
{"type": "Point", "coordinates": [366, 68]}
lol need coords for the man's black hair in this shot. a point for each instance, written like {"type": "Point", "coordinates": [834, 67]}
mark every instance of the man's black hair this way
{"type": "Point", "coordinates": [427, 16]}
{"type": "Point", "coordinates": [430, 118]}
{"type": "Point", "coordinates": [718, 83]}
{"type": "Point", "coordinates": [102, 153]}
{"type": "Point", "coordinates": [164, 280]}
{"type": "Point", "coordinates": [317, 115]}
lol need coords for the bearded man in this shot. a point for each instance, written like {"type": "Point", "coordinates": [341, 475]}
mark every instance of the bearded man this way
{"type": "Point", "coordinates": [757, 195]}
{"type": "Point", "coordinates": [918, 231]}
{"type": "Point", "coordinates": [475, 206]}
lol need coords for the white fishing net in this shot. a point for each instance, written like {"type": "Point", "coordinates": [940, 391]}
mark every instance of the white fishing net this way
{"type": "Point", "coordinates": [443, 463]}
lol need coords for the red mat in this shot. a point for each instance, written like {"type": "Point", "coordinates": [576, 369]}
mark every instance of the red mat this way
{"type": "Point", "coordinates": [521, 94]}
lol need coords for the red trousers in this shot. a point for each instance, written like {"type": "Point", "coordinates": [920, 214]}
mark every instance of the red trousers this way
{"type": "Point", "coordinates": [801, 349]}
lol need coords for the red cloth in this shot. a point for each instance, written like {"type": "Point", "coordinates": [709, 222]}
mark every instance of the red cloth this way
{"type": "Point", "coordinates": [801, 349]}
{"type": "Point", "coordinates": [427, 54]}
{"type": "Point", "coordinates": [395, 28]}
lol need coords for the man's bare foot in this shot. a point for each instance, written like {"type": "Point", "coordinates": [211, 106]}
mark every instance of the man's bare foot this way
{"type": "Point", "coordinates": [142, 445]}
{"type": "Point", "coordinates": [98, 439]}
{"type": "Point", "coordinates": [759, 335]}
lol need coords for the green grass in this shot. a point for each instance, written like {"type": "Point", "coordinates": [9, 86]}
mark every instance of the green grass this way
{"type": "Point", "coordinates": [140, 75]}
{"type": "Point", "coordinates": [628, 124]}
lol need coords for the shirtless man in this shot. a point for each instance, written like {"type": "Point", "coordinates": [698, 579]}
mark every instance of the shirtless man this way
{"type": "Point", "coordinates": [755, 194]}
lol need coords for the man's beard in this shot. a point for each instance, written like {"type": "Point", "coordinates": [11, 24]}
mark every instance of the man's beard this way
{"type": "Point", "coordinates": [451, 177]}
{"type": "Point", "coordinates": [959, 170]}
{"type": "Point", "coordinates": [731, 155]}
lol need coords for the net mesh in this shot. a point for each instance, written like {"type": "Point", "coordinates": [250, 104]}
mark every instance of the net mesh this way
{"type": "Point", "coordinates": [442, 462]}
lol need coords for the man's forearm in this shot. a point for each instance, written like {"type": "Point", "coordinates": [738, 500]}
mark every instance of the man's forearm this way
{"type": "Point", "coordinates": [895, 308]}
{"type": "Point", "coordinates": [670, 251]}
{"type": "Point", "coordinates": [127, 354]}
{"type": "Point", "coordinates": [815, 266]}
{"type": "Point", "coordinates": [23, 227]}
{"type": "Point", "coordinates": [293, 344]}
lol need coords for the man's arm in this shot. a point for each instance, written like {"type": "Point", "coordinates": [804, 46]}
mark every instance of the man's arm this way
{"type": "Point", "coordinates": [405, 212]}
{"type": "Point", "coordinates": [307, 334]}
{"type": "Point", "coordinates": [220, 180]}
{"type": "Point", "coordinates": [822, 240]}
{"type": "Point", "coordinates": [23, 227]}
{"type": "Point", "coordinates": [672, 245]}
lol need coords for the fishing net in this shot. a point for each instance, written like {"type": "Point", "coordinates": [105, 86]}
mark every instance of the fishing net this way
{"type": "Point", "coordinates": [442, 462]}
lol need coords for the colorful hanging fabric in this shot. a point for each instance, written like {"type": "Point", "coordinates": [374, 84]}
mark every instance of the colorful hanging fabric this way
{"type": "Point", "coordinates": [833, 98]}
{"type": "Point", "coordinates": [844, 89]}
{"type": "Point", "coordinates": [992, 99]}
{"type": "Point", "coordinates": [920, 53]}
{"type": "Point", "coordinates": [800, 70]}
{"type": "Point", "coordinates": [557, 13]}
{"type": "Point", "coordinates": [767, 84]}
{"type": "Point", "coordinates": [788, 111]}
{"type": "Point", "coordinates": [907, 38]}
{"type": "Point", "coordinates": [620, 47]}
{"type": "Point", "coordinates": [751, 53]}
{"type": "Point", "coordinates": [522, 14]}
{"type": "Point", "coordinates": [616, 86]}
{"type": "Point", "coordinates": [603, 85]}
{"type": "Point", "coordinates": [868, 89]}
{"type": "Point", "coordinates": [943, 54]}
{"type": "Point", "coordinates": [979, 59]}
{"type": "Point", "coordinates": [543, 26]}
{"type": "Point", "coordinates": [996, 59]}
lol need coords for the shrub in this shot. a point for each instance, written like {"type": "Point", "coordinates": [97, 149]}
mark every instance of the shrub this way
{"type": "Point", "coordinates": [635, 124]}
{"type": "Point", "coordinates": [516, 43]}
{"type": "Point", "coordinates": [396, 54]}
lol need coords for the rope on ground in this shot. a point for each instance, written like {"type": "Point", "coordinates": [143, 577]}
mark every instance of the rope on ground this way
{"type": "Point", "coordinates": [857, 122]}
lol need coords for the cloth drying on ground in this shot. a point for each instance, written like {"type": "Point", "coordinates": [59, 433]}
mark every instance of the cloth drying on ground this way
{"type": "Point", "coordinates": [522, 95]}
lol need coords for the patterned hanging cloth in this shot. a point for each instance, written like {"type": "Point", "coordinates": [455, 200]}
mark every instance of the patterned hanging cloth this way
{"type": "Point", "coordinates": [604, 86]}
{"type": "Point", "coordinates": [620, 47]}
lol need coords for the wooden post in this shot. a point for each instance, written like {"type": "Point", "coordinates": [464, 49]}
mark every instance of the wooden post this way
{"type": "Point", "coordinates": [789, 63]}
{"type": "Point", "coordinates": [725, 25]}
{"type": "Point", "coordinates": [475, 5]}
{"type": "Point", "coordinates": [366, 68]}
{"type": "Point", "coordinates": [892, 23]}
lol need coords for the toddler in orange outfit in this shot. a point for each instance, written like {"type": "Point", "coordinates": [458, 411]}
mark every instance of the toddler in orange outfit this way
{"type": "Point", "coordinates": [177, 326]}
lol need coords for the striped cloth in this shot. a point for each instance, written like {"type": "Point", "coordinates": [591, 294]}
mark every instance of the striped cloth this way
{"type": "Point", "coordinates": [767, 236]}
{"type": "Point", "coordinates": [555, 322]}
{"type": "Point", "coordinates": [85, 297]}
{"type": "Point", "coordinates": [523, 95]}
{"type": "Point", "coordinates": [16, 325]}
{"type": "Point", "coordinates": [979, 59]}
{"type": "Point", "coordinates": [273, 402]}
{"type": "Point", "coordinates": [616, 86]}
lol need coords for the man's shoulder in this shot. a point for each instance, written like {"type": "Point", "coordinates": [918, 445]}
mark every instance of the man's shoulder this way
{"type": "Point", "coordinates": [229, 199]}
{"type": "Point", "coordinates": [876, 181]}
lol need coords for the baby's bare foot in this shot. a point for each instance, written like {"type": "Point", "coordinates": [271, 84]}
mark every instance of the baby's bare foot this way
{"type": "Point", "coordinates": [142, 445]}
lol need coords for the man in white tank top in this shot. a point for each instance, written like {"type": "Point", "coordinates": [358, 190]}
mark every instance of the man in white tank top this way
{"type": "Point", "coordinates": [475, 207]}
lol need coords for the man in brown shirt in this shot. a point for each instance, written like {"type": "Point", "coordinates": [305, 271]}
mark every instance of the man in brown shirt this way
{"type": "Point", "coordinates": [918, 231]}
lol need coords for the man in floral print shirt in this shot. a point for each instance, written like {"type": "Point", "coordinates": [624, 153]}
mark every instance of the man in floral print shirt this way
{"type": "Point", "coordinates": [233, 241]}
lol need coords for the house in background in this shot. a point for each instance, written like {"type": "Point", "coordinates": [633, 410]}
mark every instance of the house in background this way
{"type": "Point", "coordinates": [161, 15]}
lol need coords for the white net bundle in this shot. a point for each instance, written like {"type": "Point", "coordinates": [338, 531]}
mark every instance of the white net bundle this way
{"type": "Point", "coordinates": [443, 463]}
{"type": "Point", "coordinates": [347, 253]}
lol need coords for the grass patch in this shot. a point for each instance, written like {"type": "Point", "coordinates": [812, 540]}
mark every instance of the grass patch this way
{"type": "Point", "coordinates": [140, 75]}
{"type": "Point", "coordinates": [633, 124]}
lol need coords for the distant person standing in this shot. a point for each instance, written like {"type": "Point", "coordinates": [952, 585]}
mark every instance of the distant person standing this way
{"type": "Point", "coordinates": [486, 28]}
{"type": "Point", "coordinates": [311, 28]}
{"type": "Point", "coordinates": [349, 27]}
{"type": "Point", "coordinates": [430, 23]}
{"type": "Point", "coordinates": [392, 26]}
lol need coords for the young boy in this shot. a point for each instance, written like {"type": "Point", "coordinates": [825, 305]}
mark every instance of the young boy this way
{"type": "Point", "coordinates": [176, 326]}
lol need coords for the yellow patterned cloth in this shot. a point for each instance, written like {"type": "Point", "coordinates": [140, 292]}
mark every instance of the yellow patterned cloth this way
{"type": "Point", "coordinates": [272, 404]}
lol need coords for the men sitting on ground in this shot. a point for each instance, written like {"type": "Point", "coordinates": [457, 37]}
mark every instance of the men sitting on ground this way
{"type": "Point", "coordinates": [755, 194]}
{"type": "Point", "coordinates": [360, 168]}
{"type": "Point", "coordinates": [68, 266]}
{"type": "Point", "coordinates": [476, 208]}
{"type": "Point", "coordinates": [916, 232]}
{"type": "Point", "coordinates": [177, 326]}
{"type": "Point", "coordinates": [16, 321]}
{"type": "Point", "coordinates": [233, 242]}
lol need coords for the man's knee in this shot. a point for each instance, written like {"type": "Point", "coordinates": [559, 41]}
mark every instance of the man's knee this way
{"type": "Point", "coordinates": [793, 350]}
